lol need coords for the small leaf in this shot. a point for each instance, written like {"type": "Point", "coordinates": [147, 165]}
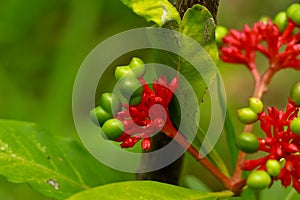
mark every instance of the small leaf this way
{"type": "Point", "coordinates": [199, 24]}
{"type": "Point", "coordinates": [158, 11]}
{"type": "Point", "coordinates": [54, 167]}
{"type": "Point", "coordinates": [146, 190]}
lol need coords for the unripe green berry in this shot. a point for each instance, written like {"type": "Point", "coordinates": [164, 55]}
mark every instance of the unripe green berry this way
{"type": "Point", "coordinates": [293, 12]}
{"type": "Point", "coordinates": [135, 100]}
{"type": "Point", "coordinates": [281, 21]}
{"type": "Point", "coordinates": [295, 126]}
{"type": "Point", "coordinates": [258, 180]}
{"type": "Point", "coordinates": [122, 71]}
{"type": "Point", "coordinates": [221, 31]}
{"type": "Point", "coordinates": [256, 105]}
{"type": "Point", "coordinates": [113, 129]}
{"type": "Point", "coordinates": [273, 167]}
{"type": "Point", "coordinates": [98, 115]}
{"type": "Point", "coordinates": [247, 142]}
{"type": "Point", "coordinates": [137, 66]}
{"type": "Point", "coordinates": [247, 116]}
{"type": "Point", "coordinates": [110, 103]}
{"type": "Point", "coordinates": [131, 87]}
{"type": "Point", "coordinates": [295, 93]}
{"type": "Point", "coordinates": [264, 19]}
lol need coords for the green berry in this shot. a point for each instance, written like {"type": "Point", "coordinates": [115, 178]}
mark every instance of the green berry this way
{"type": "Point", "coordinates": [247, 116]}
{"type": "Point", "coordinates": [256, 105]}
{"type": "Point", "coordinates": [131, 87]}
{"type": "Point", "coordinates": [113, 128]}
{"type": "Point", "coordinates": [99, 116]}
{"type": "Point", "coordinates": [221, 31]}
{"type": "Point", "coordinates": [281, 21]}
{"type": "Point", "coordinates": [273, 167]}
{"type": "Point", "coordinates": [135, 100]}
{"type": "Point", "coordinates": [258, 180]}
{"type": "Point", "coordinates": [110, 103]}
{"type": "Point", "coordinates": [264, 19]}
{"type": "Point", "coordinates": [122, 71]}
{"type": "Point", "coordinates": [137, 66]}
{"type": "Point", "coordinates": [295, 93]}
{"type": "Point", "coordinates": [293, 12]}
{"type": "Point", "coordinates": [295, 126]}
{"type": "Point", "coordinates": [247, 142]}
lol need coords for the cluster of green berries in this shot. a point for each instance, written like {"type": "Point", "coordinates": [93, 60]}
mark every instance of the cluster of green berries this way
{"type": "Point", "coordinates": [292, 12]}
{"type": "Point", "coordinates": [109, 104]}
{"type": "Point", "coordinates": [271, 166]}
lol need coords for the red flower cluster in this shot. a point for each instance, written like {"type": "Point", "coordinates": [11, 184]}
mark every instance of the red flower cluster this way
{"type": "Point", "coordinates": [280, 143]}
{"type": "Point", "coordinates": [281, 49]}
{"type": "Point", "coordinates": [148, 117]}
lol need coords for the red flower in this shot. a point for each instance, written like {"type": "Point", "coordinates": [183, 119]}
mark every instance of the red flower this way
{"type": "Point", "coordinates": [281, 49]}
{"type": "Point", "coordinates": [150, 116]}
{"type": "Point", "coordinates": [280, 143]}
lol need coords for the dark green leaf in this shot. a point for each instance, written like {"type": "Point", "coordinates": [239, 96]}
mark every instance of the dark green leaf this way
{"type": "Point", "coordinates": [52, 166]}
{"type": "Point", "coordinates": [158, 11]}
{"type": "Point", "coordinates": [146, 190]}
{"type": "Point", "coordinates": [199, 24]}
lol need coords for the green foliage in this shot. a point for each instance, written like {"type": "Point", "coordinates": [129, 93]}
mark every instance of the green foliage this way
{"type": "Point", "coordinates": [158, 11]}
{"type": "Point", "coordinates": [199, 24]}
{"type": "Point", "coordinates": [53, 166]}
{"type": "Point", "coordinates": [146, 190]}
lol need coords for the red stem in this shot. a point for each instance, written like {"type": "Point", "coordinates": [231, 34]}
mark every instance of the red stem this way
{"type": "Point", "coordinates": [179, 138]}
{"type": "Point", "coordinates": [261, 83]}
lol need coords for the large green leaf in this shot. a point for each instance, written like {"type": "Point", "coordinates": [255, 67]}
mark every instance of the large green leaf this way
{"type": "Point", "coordinates": [52, 166]}
{"type": "Point", "coordinates": [146, 190]}
{"type": "Point", "coordinates": [158, 11]}
{"type": "Point", "coordinates": [199, 24]}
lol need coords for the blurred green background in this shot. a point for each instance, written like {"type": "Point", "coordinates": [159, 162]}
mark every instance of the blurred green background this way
{"type": "Point", "coordinates": [43, 43]}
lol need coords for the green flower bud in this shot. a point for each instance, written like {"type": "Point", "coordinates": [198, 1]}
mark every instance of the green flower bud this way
{"type": "Point", "coordinates": [256, 105]}
{"type": "Point", "coordinates": [247, 142]}
{"type": "Point", "coordinates": [137, 66]}
{"type": "Point", "coordinates": [295, 126]}
{"type": "Point", "coordinates": [220, 32]}
{"type": "Point", "coordinates": [293, 12]}
{"type": "Point", "coordinates": [131, 87]}
{"type": "Point", "coordinates": [281, 21]}
{"type": "Point", "coordinates": [113, 129]}
{"type": "Point", "coordinates": [273, 167]}
{"type": "Point", "coordinates": [247, 116]}
{"type": "Point", "coordinates": [110, 103]}
{"type": "Point", "coordinates": [258, 180]}
{"type": "Point", "coordinates": [98, 115]}
{"type": "Point", "coordinates": [295, 93]}
{"type": "Point", "coordinates": [122, 71]}
{"type": "Point", "coordinates": [135, 100]}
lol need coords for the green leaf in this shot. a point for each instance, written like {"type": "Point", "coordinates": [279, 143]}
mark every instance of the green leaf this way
{"type": "Point", "coordinates": [146, 190]}
{"type": "Point", "coordinates": [199, 24]}
{"type": "Point", "coordinates": [279, 192]}
{"type": "Point", "coordinates": [194, 183]}
{"type": "Point", "coordinates": [213, 154]}
{"type": "Point", "coordinates": [54, 167]}
{"type": "Point", "coordinates": [158, 11]}
{"type": "Point", "coordinates": [230, 137]}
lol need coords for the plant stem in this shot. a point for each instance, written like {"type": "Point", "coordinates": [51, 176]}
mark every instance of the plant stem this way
{"type": "Point", "coordinates": [179, 138]}
{"type": "Point", "coordinates": [261, 86]}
